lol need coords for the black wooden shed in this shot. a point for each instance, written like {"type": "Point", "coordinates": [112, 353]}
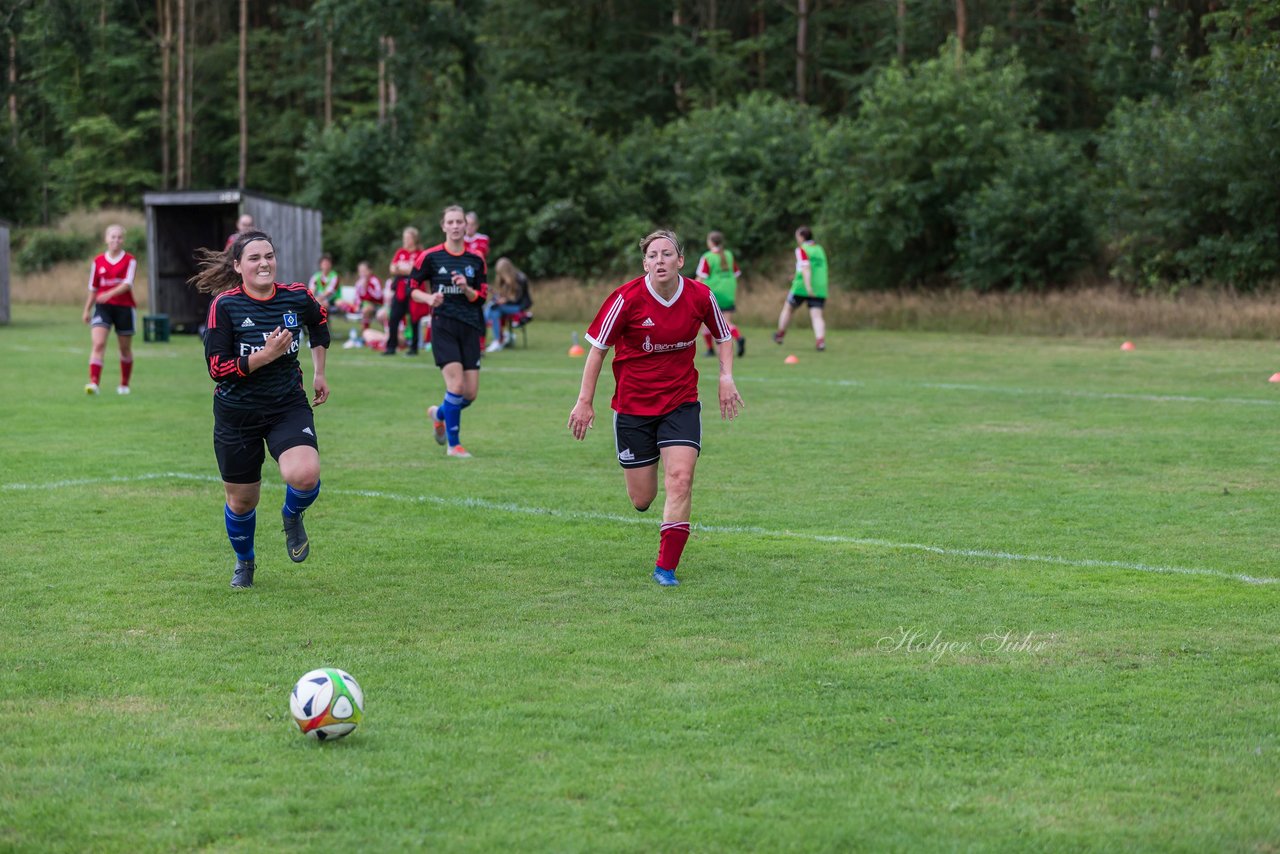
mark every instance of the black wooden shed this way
{"type": "Point", "coordinates": [181, 221]}
{"type": "Point", "coordinates": [4, 272]}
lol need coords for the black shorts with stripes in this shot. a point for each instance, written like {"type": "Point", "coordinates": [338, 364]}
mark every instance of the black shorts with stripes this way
{"type": "Point", "coordinates": [640, 438]}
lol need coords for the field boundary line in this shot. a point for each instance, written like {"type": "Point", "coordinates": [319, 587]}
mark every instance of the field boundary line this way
{"type": "Point", "coordinates": [752, 530]}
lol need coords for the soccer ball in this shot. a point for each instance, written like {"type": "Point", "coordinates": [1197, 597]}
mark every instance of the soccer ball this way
{"type": "Point", "coordinates": [327, 703]}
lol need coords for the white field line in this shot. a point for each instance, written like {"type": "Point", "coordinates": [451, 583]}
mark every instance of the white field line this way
{"type": "Point", "coordinates": [749, 530]}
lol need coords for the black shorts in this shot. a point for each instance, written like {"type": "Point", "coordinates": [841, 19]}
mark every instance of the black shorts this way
{"type": "Point", "coordinates": [795, 299]}
{"type": "Point", "coordinates": [119, 316]}
{"type": "Point", "coordinates": [238, 436]}
{"type": "Point", "coordinates": [455, 341]}
{"type": "Point", "coordinates": [639, 439]}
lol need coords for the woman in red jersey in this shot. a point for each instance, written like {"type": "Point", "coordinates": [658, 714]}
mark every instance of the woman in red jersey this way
{"type": "Point", "coordinates": [110, 303]}
{"type": "Point", "coordinates": [400, 307]}
{"type": "Point", "coordinates": [653, 322]}
{"type": "Point", "coordinates": [251, 348]}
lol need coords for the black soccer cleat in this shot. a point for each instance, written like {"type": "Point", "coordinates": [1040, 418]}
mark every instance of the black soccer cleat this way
{"type": "Point", "coordinates": [295, 537]}
{"type": "Point", "coordinates": [242, 578]}
{"type": "Point", "coordinates": [742, 346]}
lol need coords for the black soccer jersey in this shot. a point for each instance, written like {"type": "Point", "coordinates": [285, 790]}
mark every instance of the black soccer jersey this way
{"type": "Point", "coordinates": [239, 324]}
{"type": "Point", "coordinates": [436, 267]}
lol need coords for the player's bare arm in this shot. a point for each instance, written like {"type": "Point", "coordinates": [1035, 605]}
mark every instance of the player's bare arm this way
{"type": "Point", "coordinates": [319, 385]}
{"type": "Point", "coordinates": [731, 403]}
{"type": "Point", "coordinates": [583, 415]}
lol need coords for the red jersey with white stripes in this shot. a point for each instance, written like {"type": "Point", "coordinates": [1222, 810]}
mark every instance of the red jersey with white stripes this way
{"type": "Point", "coordinates": [368, 290]}
{"type": "Point", "coordinates": [106, 274]}
{"type": "Point", "coordinates": [654, 343]}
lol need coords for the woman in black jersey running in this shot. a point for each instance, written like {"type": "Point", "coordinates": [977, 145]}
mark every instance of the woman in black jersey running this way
{"type": "Point", "coordinates": [251, 347]}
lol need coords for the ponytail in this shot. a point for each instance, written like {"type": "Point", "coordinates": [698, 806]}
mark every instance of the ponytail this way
{"type": "Point", "coordinates": [716, 239]}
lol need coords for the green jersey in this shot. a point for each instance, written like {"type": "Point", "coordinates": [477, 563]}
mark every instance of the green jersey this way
{"type": "Point", "coordinates": [321, 283]}
{"type": "Point", "coordinates": [815, 257]}
{"type": "Point", "coordinates": [722, 278]}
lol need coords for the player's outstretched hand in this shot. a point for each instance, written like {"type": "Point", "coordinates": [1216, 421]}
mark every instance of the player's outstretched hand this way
{"type": "Point", "coordinates": [581, 419]}
{"type": "Point", "coordinates": [731, 402]}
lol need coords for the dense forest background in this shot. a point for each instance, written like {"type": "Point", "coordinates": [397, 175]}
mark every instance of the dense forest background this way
{"type": "Point", "coordinates": [988, 144]}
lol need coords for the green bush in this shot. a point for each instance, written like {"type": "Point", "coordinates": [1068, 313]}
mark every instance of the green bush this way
{"type": "Point", "coordinates": [346, 166]}
{"type": "Point", "coordinates": [535, 175]}
{"type": "Point", "coordinates": [1030, 224]}
{"type": "Point", "coordinates": [40, 249]}
{"type": "Point", "coordinates": [747, 169]}
{"type": "Point", "coordinates": [92, 173]}
{"type": "Point", "coordinates": [895, 179]}
{"type": "Point", "coordinates": [21, 194]}
{"type": "Point", "coordinates": [368, 232]}
{"type": "Point", "coordinates": [1191, 184]}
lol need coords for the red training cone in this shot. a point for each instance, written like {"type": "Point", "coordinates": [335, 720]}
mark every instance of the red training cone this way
{"type": "Point", "coordinates": [791, 360]}
{"type": "Point", "coordinates": [1275, 378]}
{"type": "Point", "coordinates": [1128, 345]}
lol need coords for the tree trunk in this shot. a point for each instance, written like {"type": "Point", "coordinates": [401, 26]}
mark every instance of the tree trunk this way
{"type": "Point", "coordinates": [761, 65]}
{"type": "Point", "coordinates": [391, 79]}
{"type": "Point", "coordinates": [13, 87]}
{"type": "Point", "coordinates": [902, 31]}
{"type": "Point", "coordinates": [164, 21]}
{"type": "Point", "coordinates": [243, 73]}
{"type": "Point", "coordinates": [189, 131]}
{"type": "Point", "coordinates": [802, 48]}
{"type": "Point", "coordinates": [382, 80]}
{"type": "Point", "coordinates": [962, 28]}
{"type": "Point", "coordinates": [181, 130]}
{"type": "Point", "coordinates": [1153, 16]}
{"type": "Point", "coordinates": [677, 86]}
{"type": "Point", "coordinates": [328, 79]}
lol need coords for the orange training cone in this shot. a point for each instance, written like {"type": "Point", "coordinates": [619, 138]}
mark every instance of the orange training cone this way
{"type": "Point", "coordinates": [791, 360]}
{"type": "Point", "coordinates": [1128, 345]}
{"type": "Point", "coordinates": [576, 349]}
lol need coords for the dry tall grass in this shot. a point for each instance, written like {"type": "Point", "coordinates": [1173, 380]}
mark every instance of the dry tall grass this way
{"type": "Point", "coordinates": [1096, 311]}
{"type": "Point", "coordinates": [67, 283]}
{"type": "Point", "coordinates": [1100, 310]}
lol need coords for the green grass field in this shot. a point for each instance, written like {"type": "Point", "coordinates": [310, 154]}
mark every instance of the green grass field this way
{"type": "Point", "coordinates": [944, 593]}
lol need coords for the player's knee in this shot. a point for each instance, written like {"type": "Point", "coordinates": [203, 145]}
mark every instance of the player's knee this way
{"type": "Point", "coordinates": [679, 481]}
{"type": "Point", "coordinates": [307, 480]}
{"type": "Point", "coordinates": [240, 506]}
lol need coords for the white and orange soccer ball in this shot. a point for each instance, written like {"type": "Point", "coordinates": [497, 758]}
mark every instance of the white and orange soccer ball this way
{"type": "Point", "coordinates": [327, 703]}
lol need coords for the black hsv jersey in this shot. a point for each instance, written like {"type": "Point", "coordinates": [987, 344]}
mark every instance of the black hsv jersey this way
{"type": "Point", "coordinates": [436, 267]}
{"type": "Point", "coordinates": [239, 324]}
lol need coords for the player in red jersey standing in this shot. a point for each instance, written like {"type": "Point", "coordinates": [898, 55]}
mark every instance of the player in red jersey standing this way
{"type": "Point", "coordinates": [653, 322]}
{"type": "Point", "coordinates": [398, 295]}
{"type": "Point", "coordinates": [455, 285]}
{"type": "Point", "coordinates": [111, 303]}
{"type": "Point", "coordinates": [251, 346]}
{"type": "Point", "coordinates": [474, 241]}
